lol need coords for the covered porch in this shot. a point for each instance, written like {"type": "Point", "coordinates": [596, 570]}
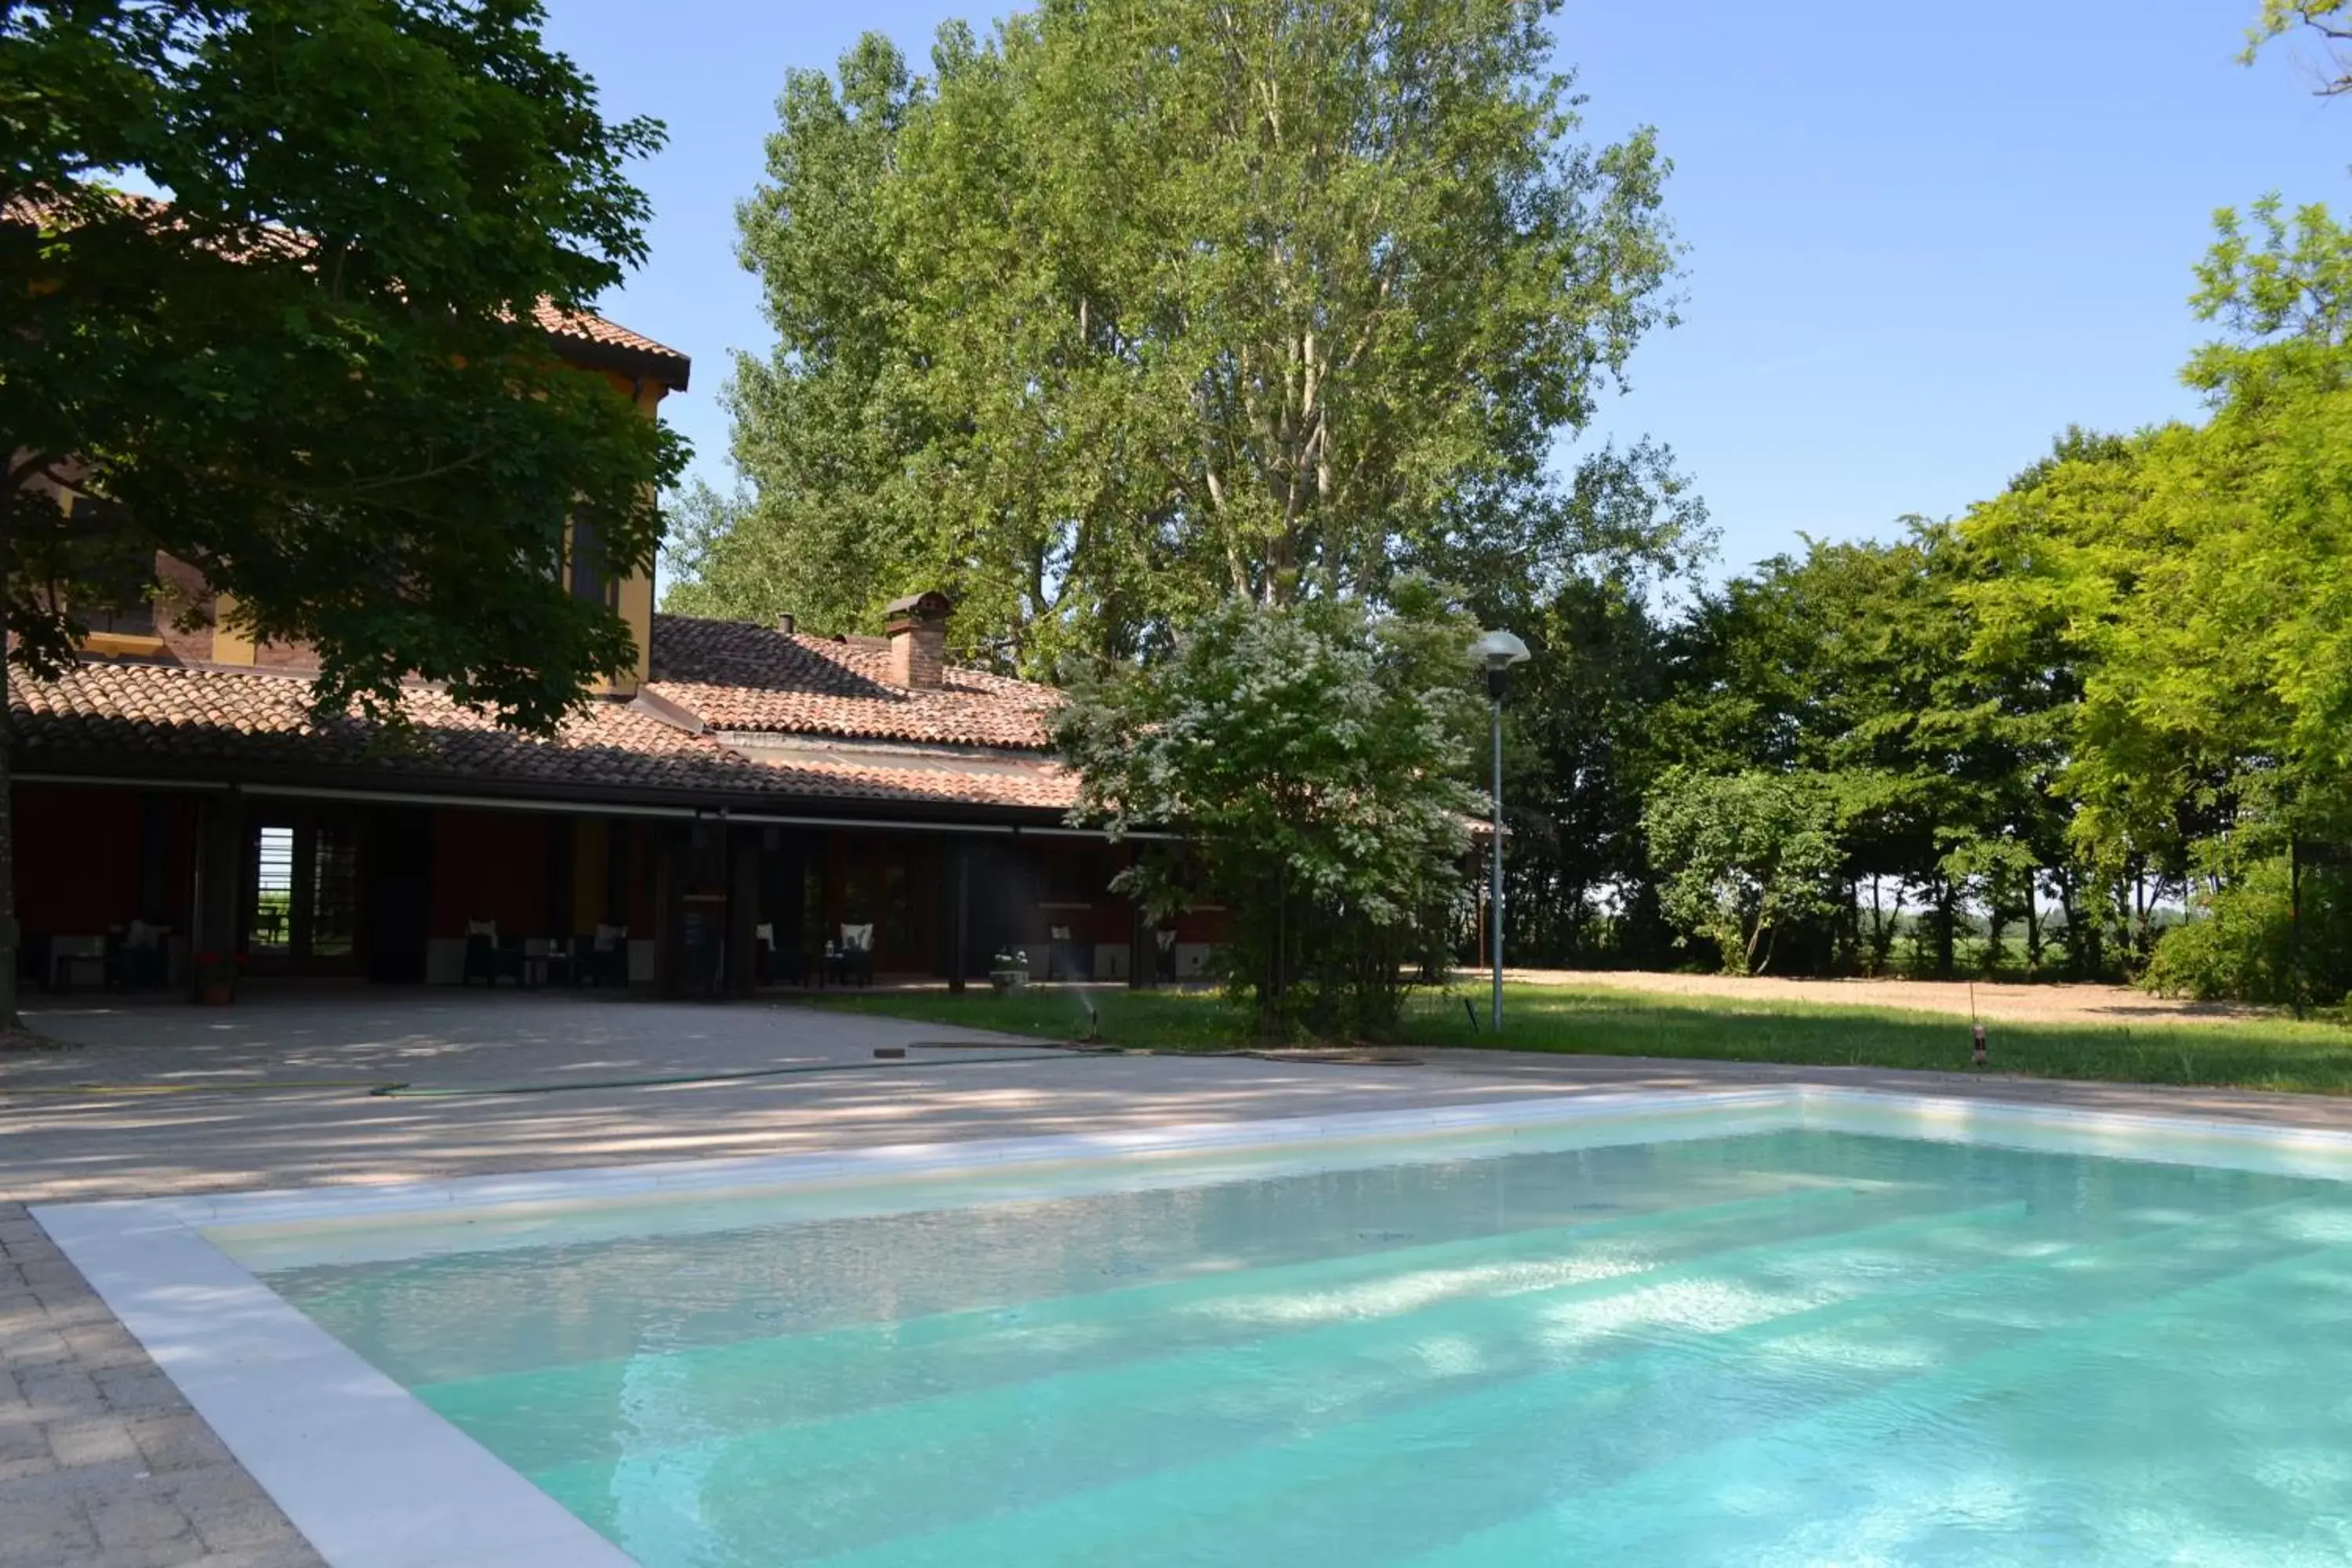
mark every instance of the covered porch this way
{"type": "Point", "coordinates": [121, 885]}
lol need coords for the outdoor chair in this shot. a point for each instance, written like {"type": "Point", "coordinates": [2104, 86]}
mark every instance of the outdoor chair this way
{"type": "Point", "coordinates": [33, 960]}
{"type": "Point", "coordinates": [601, 959]}
{"type": "Point", "coordinates": [772, 965]}
{"type": "Point", "coordinates": [853, 961]}
{"type": "Point", "coordinates": [77, 961]}
{"type": "Point", "coordinates": [138, 957]}
{"type": "Point", "coordinates": [486, 960]}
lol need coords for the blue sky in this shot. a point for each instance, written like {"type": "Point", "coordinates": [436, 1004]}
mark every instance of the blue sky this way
{"type": "Point", "coordinates": [1923, 240]}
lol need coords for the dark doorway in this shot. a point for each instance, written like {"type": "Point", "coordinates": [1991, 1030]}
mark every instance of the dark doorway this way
{"type": "Point", "coordinates": [889, 885]}
{"type": "Point", "coordinates": [397, 856]}
{"type": "Point", "coordinates": [698, 868]}
{"type": "Point", "coordinates": [1002, 886]}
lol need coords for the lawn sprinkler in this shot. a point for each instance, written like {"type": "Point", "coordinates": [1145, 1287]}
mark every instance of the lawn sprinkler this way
{"type": "Point", "coordinates": [1976, 1029]}
{"type": "Point", "coordinates": [1094, 1023]}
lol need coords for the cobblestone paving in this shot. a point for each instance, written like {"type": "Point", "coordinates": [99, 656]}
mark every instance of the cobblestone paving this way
{"type": "Point", "coordinates": [101, 1461]}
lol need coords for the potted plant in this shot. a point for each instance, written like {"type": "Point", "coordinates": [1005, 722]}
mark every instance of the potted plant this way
{"type": "Point", "coordinates": [1009, 972]}
{"type": "Point", "coordinates": [217, 977]}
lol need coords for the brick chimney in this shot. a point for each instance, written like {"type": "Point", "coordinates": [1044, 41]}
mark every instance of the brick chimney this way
{"type": "Point", "coordinates": [919, 640]}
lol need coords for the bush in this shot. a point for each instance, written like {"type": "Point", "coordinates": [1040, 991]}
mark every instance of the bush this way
{"type": "Point", "coordinates": [2239, 944]}
{"type": "Point", "coordinates": [1313, 755]}
{"type": "Point", "coordinates": [1740, 857]}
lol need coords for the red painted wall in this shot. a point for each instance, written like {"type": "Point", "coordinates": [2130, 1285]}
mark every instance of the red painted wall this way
{"type": "Point", "coordinates": [77, 857]}
{"type": "Point", "coordinates": [493, 866]}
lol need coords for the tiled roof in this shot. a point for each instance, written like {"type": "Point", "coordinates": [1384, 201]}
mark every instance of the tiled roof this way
{"type": "Point", "coordinates": [1043, 783]}
{"type": "Point", "coordinates": [165, 714]}
{"type": "Point", "coordinates": [595, 329]}
{"type": "Point", "coordinates": [156, 710]}
{"type": "Point", "coordinates": [573, 326]}
{"type": "Point", "coordinates": [749, 677]}
{"type": "Point", "coordinates": [582, 327]}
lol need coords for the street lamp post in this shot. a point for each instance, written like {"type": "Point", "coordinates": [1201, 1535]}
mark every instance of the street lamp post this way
{"type": "Point", "coordinates": [1497, 651]}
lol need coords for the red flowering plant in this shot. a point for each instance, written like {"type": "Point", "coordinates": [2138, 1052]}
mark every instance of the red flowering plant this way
{"type": "Point", "coordinates": [218, 968]}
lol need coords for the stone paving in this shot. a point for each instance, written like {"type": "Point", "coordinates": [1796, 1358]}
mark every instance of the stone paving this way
{"type": "Point", "coordinates": [101, 1461]}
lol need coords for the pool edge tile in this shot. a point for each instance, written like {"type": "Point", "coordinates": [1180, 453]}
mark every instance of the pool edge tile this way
{"type": "Point", "coordinates": [316, 1426]}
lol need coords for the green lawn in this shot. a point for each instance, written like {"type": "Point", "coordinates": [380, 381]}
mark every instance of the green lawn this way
{"type": "Point", "coordinates": [2312, 1058]}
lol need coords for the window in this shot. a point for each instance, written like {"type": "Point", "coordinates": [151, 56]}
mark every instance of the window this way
{"type": "Point", "coordinates": [334, 890]}
{"type": "Point", "coordinates": [590, 579]}
{"type": "Point", "coordinates": [273, 889]}
{"type": "Point", "coordinates": [124, 602]}
{"type": "Point", "coordinates": [302, 916]}
{"type": "Point", "coordinates": [129, 613]}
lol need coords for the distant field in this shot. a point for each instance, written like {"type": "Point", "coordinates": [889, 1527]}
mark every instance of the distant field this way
{"type": "Point", "coordinates": [1600, 1020]}
{"type": "Point", "coordinates": [1989, 1000]}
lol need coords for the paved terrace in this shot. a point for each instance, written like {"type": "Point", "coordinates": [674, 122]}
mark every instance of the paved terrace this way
{"type": "Point", "coordinates": [101, 1462]}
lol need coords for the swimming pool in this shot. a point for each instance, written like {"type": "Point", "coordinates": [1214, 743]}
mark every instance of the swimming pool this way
{"type": "Point", "coordinates": [1758, 1329]}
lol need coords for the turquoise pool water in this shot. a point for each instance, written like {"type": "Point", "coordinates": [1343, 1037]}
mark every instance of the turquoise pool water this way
{"type": "Point", "coordinates": [1793, 1347]}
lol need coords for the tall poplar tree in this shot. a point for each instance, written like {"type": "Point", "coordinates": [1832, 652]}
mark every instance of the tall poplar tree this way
{"type": "Point", "coordinates": [1136, 306]}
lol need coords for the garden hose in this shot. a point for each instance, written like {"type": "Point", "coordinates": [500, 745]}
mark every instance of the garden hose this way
{"type": "Point", "coordinates": [426, 1091]}
{"type": "Point", "coordinates": [378, 1088]}
{"type": "Point", "coordinates": [371, 1084]}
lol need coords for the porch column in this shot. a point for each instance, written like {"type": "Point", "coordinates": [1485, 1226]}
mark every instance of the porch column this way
{"type": "Point", "coordinates": [220, 845]}
{"type": "Point", "coordinates": [671, 844]}
{"type": "Point", "coordinates": [1142, 955]}
{"type": "Point", "coordinates": [742, 911]}
{"type": "Point", "coordinates": [959, 917]}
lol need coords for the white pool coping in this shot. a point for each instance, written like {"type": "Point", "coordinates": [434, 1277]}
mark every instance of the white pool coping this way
{"type": "Point", "coordinates": [375, 1479]}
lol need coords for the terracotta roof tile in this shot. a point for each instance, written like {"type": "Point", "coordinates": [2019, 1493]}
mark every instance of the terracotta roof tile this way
{"type": "Point", "coordinates": [1041, 783]}
{"type": "Point", "coordinates": [163, 710]}
{"type": "Point", "coordinates": [127, 712]}
{"type": "Point", "coordinates": [574, 326]}
{"type": "Point", "coordinates": [581, 326]}
{"type": "Point", "coordinates": [749, 677]}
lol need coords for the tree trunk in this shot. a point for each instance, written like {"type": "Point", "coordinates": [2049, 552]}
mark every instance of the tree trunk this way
{"type": "Point", "coordinates": [1271, 1012]}
{"type": "Point", "coordinates": [2076, 961]}
{"type": "Point", "coordinates": [1948, 915]}
{"type": "Point", "coordinates": [2032, 931]}
{"type": "Point", "coordinates": [8, 1019]}
{"type": "Point", "coordinates": [1996, 913]}
{"type": "Point", "coordinates": [2143, 917]}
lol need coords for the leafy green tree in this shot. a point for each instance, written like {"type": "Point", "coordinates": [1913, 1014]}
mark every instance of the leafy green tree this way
{"type": "Point", "coordinates": [2201, 579]}
{"type": "Point", "coordinates": [1314, 754]}
{"type": "Point", "coordinates": [1583, 586]}
{"type": "Point", "coordinates": [1851, 662]}
{"type": "Point", "coordinates": [1742, 856]}
{"type": "Point", "coordinates": [2330, 19]}
{"type": "Point", "coordinates": [1139, 305]}
{"type": "Point", "coordinates": [313, 375]}
{"type": "Point", "coordinates": [2242, 943]}
{"type": "Point", "coordinates": [1577, 762]}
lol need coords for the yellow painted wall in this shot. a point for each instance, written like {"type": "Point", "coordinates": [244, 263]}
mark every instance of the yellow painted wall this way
{"type": "Point", "coordinates": [232, 646]}
{"type": "Point", "coordinates": [120, 644]}
{"type": "Point", "coordinates": [637, 592]}
{"type": "Point", "coordinates": [229, 646]}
